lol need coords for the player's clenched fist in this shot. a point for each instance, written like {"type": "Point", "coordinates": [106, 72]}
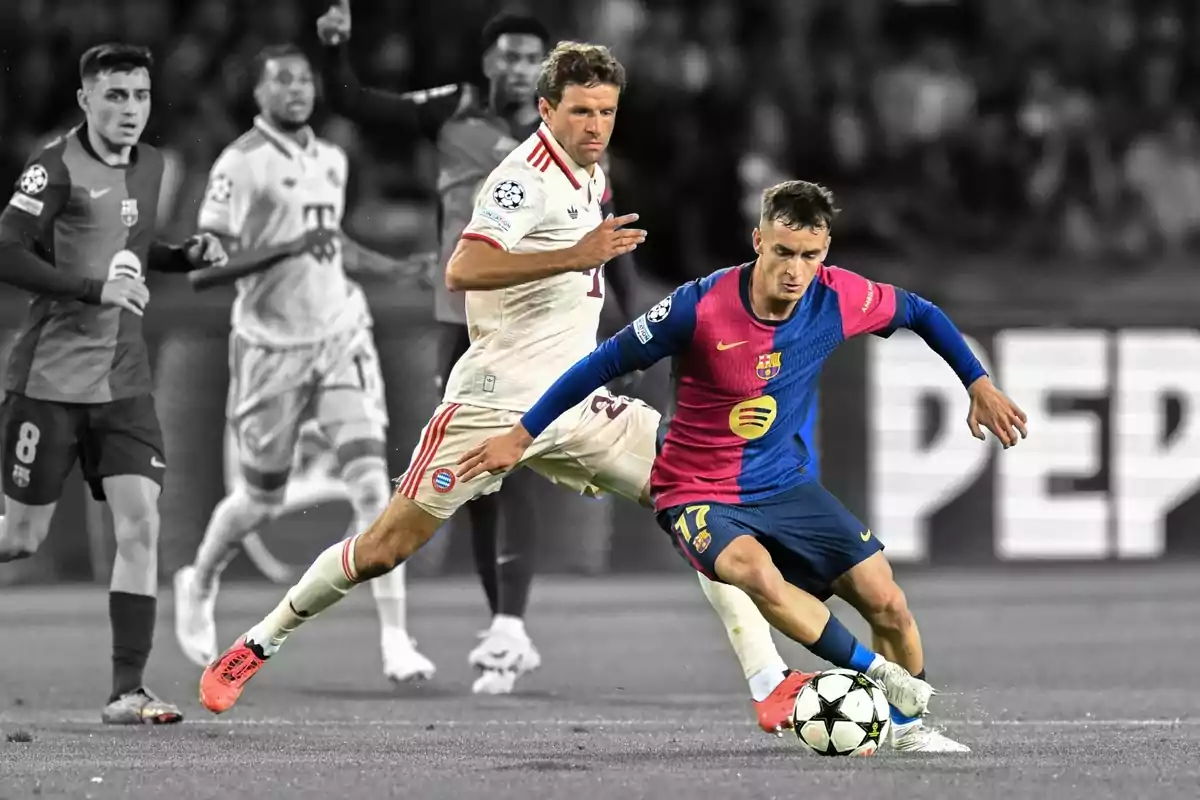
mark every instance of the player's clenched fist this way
{"type": "Point", "coordinates": [606, 241]}
{"type": "Point", "coordinates": [333, 27]}
{"type": "Point", "coordinates": [496, 454]}
{"type": "Point", "coordinates": [991, 409]}
{"type": "Point", "coordinates": [130, 294]}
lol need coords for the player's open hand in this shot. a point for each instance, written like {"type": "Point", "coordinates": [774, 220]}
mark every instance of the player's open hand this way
{"type": "Point", "coordinates": [333, 27]}
{"type": "Point", "coordinates": [496, 454]}
{"type": "Point", "coordinates": [991, 409]}
{"type": "Point", "coordinates": [606, 241]}
{"type": "Point", "coordinates": [205, 250]}
{"type": "Point", "coordinates": [130, 294]}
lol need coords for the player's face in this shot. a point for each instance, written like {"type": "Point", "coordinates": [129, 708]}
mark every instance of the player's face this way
{"type": "Point", "coordinates": [512, 66]}
{"type": "Point", "coordinates": [788, 257]}
{"type": "Point", "coordinates": [287, 92]}
{"type": "Point", "coordinates": [583, 121]}
{"type": "Point", "coordinates": [117, 105]}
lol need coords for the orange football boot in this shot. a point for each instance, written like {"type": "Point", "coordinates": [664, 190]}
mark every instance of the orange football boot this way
{"type": "Point", "coordinates": [776, 710]}
{"type": "Point", "coordinates": [224, 679]}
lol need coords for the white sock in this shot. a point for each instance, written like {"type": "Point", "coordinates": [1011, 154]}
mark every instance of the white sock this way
{"type": "Point", "coordinates": [391, 601]}
{"type": "Point", "coordinates": [327, 581]}
{"type": "Point", "coordinates": [748, 631]}
{"type": "Point", "coordinates": [509, 625]}
{"type": "Point", "coordinates": [234, 517]}
{"type": "Point", "coordinates": [763, 682]}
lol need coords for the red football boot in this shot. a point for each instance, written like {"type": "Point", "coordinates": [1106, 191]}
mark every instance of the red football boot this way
{"type": "Point", "coordinates": [776, 710]}
{"type": "Point", "coordinates": [223, 680]}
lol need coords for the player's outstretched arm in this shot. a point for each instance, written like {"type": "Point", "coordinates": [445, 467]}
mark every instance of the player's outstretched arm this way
{"type": "Point", "coordinates": [990, 408]}
{"type": "Point", "coordinates": [879, 308]}
{"type": "Point", "coordinates": [199, 251]}
{"type": "Point", "coordinates": [363, 262]}
{"type": "Point", "coordinates": [425, 110]}
{"type": "Point", "coordinates": [481, 262]}
{"type": "Point", "coordinates": [663, 331]}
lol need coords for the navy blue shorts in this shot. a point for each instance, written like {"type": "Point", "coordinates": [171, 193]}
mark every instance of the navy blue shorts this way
{"type": "Point", "coordinates": [810, 535]}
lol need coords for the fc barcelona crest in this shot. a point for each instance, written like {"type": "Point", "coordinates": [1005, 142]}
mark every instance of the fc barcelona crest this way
{"type": "Point", "coordinates": [129, 212]}
{"type": "Point", "coordinates": [768, 365]}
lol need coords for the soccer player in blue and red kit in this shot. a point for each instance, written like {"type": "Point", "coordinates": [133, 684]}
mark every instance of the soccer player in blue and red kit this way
{"type": "Point", "coordinates": [731, 483]}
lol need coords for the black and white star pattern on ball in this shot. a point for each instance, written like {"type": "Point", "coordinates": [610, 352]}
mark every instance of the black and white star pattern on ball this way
{"type": "Point", "coordinates": [509, 195]}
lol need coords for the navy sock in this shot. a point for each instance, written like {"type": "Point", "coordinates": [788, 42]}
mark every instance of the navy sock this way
{"type": "Point", "coordinates": [838, 646]}
{"type": "Point", "coordinates": [132, 618]}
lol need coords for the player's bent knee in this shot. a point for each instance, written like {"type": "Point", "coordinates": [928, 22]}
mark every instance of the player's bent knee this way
{"type": "Point", "coordinates": [23, 528]}
{"type": "Point", "coordinates": [369, 486]}
{"type": "Point", "coordinates": [136, 527]}
{"type": "Point", "coordinates": [746, 564]}
{"type": "Point", "coordinates": [399, 532]}
{"type": "Point", "coordinates": [889, 611]}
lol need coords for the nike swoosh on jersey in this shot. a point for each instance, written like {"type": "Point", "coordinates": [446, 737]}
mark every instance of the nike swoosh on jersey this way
{"type": "Point", "coordinates": [96, 194]}
{"type": "Point", "coordinates": [730, 346]}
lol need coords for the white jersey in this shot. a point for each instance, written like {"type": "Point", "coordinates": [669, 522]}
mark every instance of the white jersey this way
{"type": "Point", "coordinates": [267, 190]}
{"type": "Point", "coordinates": [524, 337]}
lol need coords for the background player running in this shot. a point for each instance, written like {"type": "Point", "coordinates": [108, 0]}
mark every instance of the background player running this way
{"type": "Point", "coordinates": [472, 138]}
{"type": "Point", "coordinates": [730, 481]}
{"type": "Point", "coordinates": [301, 346]}
{"type": "Point", "coordinates": [78, 234]}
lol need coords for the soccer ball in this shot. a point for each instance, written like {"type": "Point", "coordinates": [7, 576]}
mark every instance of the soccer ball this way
{"type": "Point", "coordinates": [841, 712]}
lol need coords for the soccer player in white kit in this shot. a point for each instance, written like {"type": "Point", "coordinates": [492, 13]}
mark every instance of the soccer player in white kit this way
{"type": "Point", "coordinates": [532, 261]}
{"type": "Point", "coordinates": [301, 347]}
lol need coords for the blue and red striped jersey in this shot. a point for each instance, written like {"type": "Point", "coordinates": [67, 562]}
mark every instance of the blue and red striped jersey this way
{"type": "Point", "coordinates": [744, 387]}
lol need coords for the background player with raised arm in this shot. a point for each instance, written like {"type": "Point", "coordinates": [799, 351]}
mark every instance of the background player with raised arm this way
{"type": "Point", "coordinates": [472, 138]}
{"type": "Point", "coordinates": [730, 481]}
{"type": "Point", "coordinates": [301, 346]}
{"type": "Point", "coordinates": [78, 234]}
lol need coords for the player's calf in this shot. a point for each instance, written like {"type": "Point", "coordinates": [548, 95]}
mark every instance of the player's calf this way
{"type": "Point", "coordinates": [368, 486]}
{"type": "Point", "coordinates": [389, 541]}
{"type": "Point", "coordinates": [745, 563]}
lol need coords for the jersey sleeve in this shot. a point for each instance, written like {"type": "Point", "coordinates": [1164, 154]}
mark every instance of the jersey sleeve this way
{"type": "Point", "coordinates": [229, 195]}
{"type": "Point", "coordinates": [424, 110]}
{"type": "Point", "coordinates": [40, 194]}
{"type": "Point", "coordinates": [865, 306]}
{"type": "Point", "coordinates": [663, 331]}
{"type": "Point", "coordinates": [934, 326]}
{"type": "Point", "coordinates": [510, 204]}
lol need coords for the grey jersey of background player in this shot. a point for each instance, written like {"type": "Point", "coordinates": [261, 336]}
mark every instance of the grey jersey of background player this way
{"type": "Point", "coordinates": [473, 134]}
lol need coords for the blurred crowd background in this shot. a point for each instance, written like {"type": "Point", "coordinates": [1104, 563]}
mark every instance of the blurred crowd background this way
{"type": "Point", "coordinates": [1040, 130]}
{"type": "Point", "coordinates": [1024, 163]}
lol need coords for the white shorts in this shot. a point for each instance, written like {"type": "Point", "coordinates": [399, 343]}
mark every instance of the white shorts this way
{"type": "Point", "coordinates": [604, 445]}
{"type": "Point", "coordinates": [273, 391]}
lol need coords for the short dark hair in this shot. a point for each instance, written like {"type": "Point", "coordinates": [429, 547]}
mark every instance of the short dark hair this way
{"type": "Point", "coordinates": [511, 23]}
{"type": "Point", "coordinates": [579, 64]}
{"type": "Point", "coordinates": [799, 204]}
{"type": "Point", "coordinates": [269, 54]}
{"type": "Point", "coordinates": [114, 57]}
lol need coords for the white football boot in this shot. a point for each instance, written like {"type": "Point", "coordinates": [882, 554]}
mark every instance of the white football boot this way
{"type": "Point", "coordinates": [195, 624]}
{"type": "Point", "coordinates": [501, 658]}
{"type": "Point", "coordinates": [402, 662]}
{"type": "Point", "coordinates": [908, 695]}
{"type": "Point", "coordinates": [917, 737]}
